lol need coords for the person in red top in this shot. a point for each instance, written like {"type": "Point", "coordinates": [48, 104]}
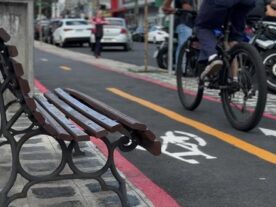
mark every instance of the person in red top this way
{"type": "Point", "coordinates": [98, 21]}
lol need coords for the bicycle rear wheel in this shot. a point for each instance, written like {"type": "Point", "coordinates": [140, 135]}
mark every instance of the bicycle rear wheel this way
{"type": "Point", "coordinates": [190, 89]}
{"type": "Point", "coordinates": [244, 101]}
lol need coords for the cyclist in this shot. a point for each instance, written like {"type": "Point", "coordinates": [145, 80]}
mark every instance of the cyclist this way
{"type": "Point", "coordinates": [183, 23]}
{"type": "Point", "coordinates": [264, 8]}
{"type": "Point", "coordinates": [211, 16]}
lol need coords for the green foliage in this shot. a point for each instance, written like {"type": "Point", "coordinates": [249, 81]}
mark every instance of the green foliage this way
{"type": "Point", "coordinates": [158, 3]}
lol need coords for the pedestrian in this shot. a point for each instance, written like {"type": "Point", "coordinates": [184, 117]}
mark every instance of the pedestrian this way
{"type": "Point", "coordinates": [271, 10]}
{"type": "Point", "coordinates": [99, 21]}
{"type": "Point", "coordinates": [183, 23]}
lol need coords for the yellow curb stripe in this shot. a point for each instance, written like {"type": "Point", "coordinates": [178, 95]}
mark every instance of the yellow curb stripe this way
{"type": "Point", "coordinates": [230, 139]}
{"type": "Point", "coordinates": [63, 67]}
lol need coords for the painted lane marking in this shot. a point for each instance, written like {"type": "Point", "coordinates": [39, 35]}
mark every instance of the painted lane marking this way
{"type": "Point", "coordinates": [63, 67]}
{"type": "Point", "coordinates": [44, 59]}
{"type": "Point", "coordinates": [190, 143]}
{"type": "Point", "coordinates": [268, 132]}
{"type": "Point", "coordinates": [230, 139]}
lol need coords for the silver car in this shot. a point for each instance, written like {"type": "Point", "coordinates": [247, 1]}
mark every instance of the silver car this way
{"type": "Point", "coordinates": [115, 34]}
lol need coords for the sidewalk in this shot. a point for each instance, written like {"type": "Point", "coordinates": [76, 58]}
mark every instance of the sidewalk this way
{"type": "Point", "coordinates": [154, 75]}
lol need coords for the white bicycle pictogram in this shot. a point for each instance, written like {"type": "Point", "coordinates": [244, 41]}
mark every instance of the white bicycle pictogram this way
{"type": "Point", "coordinates": [190, 144]}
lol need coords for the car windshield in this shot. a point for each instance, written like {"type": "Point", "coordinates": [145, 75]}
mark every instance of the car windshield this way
{"type": "Point", "coordinates": [140, 29]}
{"type": "Point", "coordinates": [76, 22]}
{"type": "Point", "coordinates": [155, 28]}
{"type": "Point", "coordinates": [44, 22]}
{"type": "Point", "coordinates": [116, 22]}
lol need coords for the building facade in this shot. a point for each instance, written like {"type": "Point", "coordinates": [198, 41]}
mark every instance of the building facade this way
{"type": "Point", "coordinates": [133, 11]}
{"type": "Point", "coordinates": [78, 8]}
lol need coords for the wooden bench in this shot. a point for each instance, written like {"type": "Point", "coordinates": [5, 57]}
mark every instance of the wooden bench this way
{"type": "Point", "coordinates": [69, 117]}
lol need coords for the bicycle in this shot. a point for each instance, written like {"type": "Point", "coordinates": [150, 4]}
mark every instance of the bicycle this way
{"type": "Point", "coordinates": [243, 101]}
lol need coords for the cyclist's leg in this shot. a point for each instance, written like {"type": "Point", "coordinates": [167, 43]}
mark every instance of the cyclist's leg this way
{"type": "Point", "coordinates": [211, 16]}
{"type": "Point", "coordinates": [208, 43]}
{"type": "Point", "coordinates": [184, 32]}
{"type": "Point", "coordinates": [238, 18]}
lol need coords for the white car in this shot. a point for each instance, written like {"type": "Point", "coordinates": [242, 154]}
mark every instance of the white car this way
{"type": "Point", "coordinates": [156, 34]}
{"type": "Point", "coordinates": [72, 31]}
{"type": "Point", "coordinates": [115, 34]}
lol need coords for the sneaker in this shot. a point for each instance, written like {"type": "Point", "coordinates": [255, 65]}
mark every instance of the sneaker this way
{"type": "Point", "coordinates": [234, 85]}
{"type": "Point", "coordinates": [214, 65]}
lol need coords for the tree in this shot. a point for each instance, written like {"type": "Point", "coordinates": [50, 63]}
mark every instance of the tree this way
{"type": "Point", "coordinates": [46, 7]}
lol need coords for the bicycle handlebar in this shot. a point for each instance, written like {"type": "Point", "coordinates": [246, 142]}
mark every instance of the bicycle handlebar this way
{"type": "Point", "coordinates": [184, 11]}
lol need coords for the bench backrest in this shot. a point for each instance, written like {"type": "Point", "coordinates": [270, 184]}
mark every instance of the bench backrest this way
{"type": "Point", "coordinates": [12, 80]}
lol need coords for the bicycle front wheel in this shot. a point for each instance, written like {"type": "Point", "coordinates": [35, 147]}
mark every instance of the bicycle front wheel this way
{"type": "Point", "coordinates": [190, 90]}
{"type": "Point", "coordinates": [244, 100]}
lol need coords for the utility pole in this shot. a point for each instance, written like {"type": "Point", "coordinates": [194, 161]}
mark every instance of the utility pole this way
{"type": "Point", "coordinates": [40, 15]}
{"type": "Point", "coordinates": [146, 35]}
{"type": "Point", "coordinates": [96, 4]}
{"type": "Point", "coordinates": [171, 33]}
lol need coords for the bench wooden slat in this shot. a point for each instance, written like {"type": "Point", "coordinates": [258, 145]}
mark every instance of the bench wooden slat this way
{"type": "Point", "coordinates": [107, 110]}
{"type": "Point", "coordinates": [107, 123]}
{"type": "Point", "coordinates": [30, 103]}
{"type": "Point", "coordinates": [87, 124]}
{"type": "Point", "coordinates": [17, 67]}
{"type": "Point", "coordinates": [39, 117]}
{"type": "Point", "coordinates": [46, 120]}
{"type": "Point", "coordinates": [147, 134]}
{"type": "Point", "coordinates": [12, 50]}
{"type": "Point", "coordinates": [67, 124]}
{"type": "Point", "coordinates": [4, 35]}
{"type": "Point", "coordinates": [24, 86]}
{"type": "Point", "coordinates": [153, 147]}
{"type": "Point", "coordinates": [42, 121]}
{"type": "Point", "coordinates": [61, 132]}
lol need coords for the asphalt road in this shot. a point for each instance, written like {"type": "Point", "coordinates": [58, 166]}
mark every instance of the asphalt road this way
{"type": "Point", "coordinates": [205, 162]}
{"type": "Point", "coordinates": [135, 56]}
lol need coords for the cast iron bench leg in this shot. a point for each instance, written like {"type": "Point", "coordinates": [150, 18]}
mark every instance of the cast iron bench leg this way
{"type": "Point", "coordinates": [77, 150]}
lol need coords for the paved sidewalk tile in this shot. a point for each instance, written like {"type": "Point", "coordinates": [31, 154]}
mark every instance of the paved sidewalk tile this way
{"type": "Point", "coordinates": [41, 155]}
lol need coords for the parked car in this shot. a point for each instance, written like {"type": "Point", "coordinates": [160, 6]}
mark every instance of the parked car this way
{"type": "Point", "coordinates": [72, 31]}
{"type": "Point", "coordinates": [157, 34]}
{"type": "Point", "coordinates": [49, 29]}
{"type": "Point", "coordinates": [39, 27]}
{"type": "Point", "coordinates": [115, 34]}
{"type": "Point", "coordinates": [138, 34]}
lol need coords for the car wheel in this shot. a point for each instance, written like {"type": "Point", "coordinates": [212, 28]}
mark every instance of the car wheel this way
{"type": "Point", "coordinates": [51, 40]}
{"type": "Point", "coordinates": [55, 43]}
{"type": "Point", "coordinates": [92, 47]}
{"type": "Point", "coordinates": [62, 44]}
{"type": "Point", "coordinates": [36, 36]}
{"type": "Point", "coordinates": [126, 47]}
{"type": "Point", "coordinates": [154, 40]}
